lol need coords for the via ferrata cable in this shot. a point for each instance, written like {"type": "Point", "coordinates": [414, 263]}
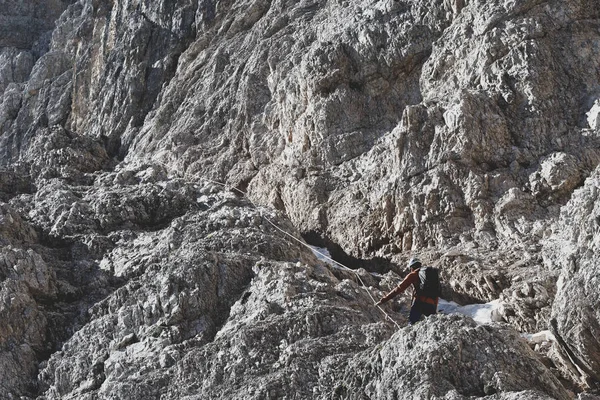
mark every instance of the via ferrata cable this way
{"type": "Point", "coordinates": [303, 243]}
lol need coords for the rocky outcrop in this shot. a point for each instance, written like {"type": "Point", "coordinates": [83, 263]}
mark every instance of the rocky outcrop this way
{"type": "Point", "coordinates": [405, 105]}
{"type": "Point", "coordinates": [465, 153]}
{"type": "Point", "coordinates": [574, 250]}
{"type": "Point", "coordinates": [194, 321]}
{"type": "Point", "coordinates": [126, 229]}
{"type": "Point", "coordinates": [181, 286]}
{"type": "Point", "coordinates": [15, 66]}
{"type": "Point", "coordinates": [25, 31]}
{"type": "Point", "coordinates": [93, 81]}
{"type": "Point", "coordinates": [477, 150]}
{"type": "Point", "coordinates": [447, 357]}
{"type": "Point", "coordinates": [216, 292]}
{"type": "Point", "coordinates": [518, 278]}
{"type": "Point", "coordinates": [24, 280]}
{"type": "Point", "coordinates": [23, 22]}
{"type": "Point", "coordinates": [454, 130]}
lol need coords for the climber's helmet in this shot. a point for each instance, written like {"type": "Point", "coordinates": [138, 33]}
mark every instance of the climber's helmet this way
{"type": "Point", "coordinates": [414, 263]}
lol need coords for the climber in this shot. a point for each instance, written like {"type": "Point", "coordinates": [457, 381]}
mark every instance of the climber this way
{"type": "Point", "coordinates": [426, 290]}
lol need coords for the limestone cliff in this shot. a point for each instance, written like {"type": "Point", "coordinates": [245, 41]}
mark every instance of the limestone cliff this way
{"type": "Point", "coordinates": [155, 158]}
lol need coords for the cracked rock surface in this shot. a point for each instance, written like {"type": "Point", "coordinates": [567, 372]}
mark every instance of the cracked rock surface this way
{"type": "Point", "coordinates": [162, 163]}
{"type": "Point", "coordinates": [575, 318]}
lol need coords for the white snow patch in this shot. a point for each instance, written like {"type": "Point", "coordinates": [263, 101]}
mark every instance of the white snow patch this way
{"type": "Point", "coordinates": [593, 116]}
{"type": "Point", "coordinates": [481, 313]}
{"type": "Point", "coordinates": [322, 253]}
{"type": "Point", "coordinates": [540, 337]}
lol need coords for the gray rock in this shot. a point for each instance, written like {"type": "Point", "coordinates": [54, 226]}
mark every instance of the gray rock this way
{"type": "Point", "coordinates": [441, 159]}
{"type": "Point", "coordinates": [447, 357]}
{"type": "Point", "coordinates": [182, 282]}
{"type": "Point", "coordinates": [385, 108]}
{"type": "Point", "coordinates": [13, 230]}
{"type": "Point", "coordinates": [587, 396]}
{"type": "Point", "coordinates": [447, 129]}
{"type": "Point", "coordinates": [24, 279]}
{"type": "Point", "coordinates": [23, 22]}
{"type": "Point", "coordinates": [58, 153]}
{"type": "Point", "coordinates": [14, 181]}
{"type": "Point", "coordinates": [15, 66]}
{"type": "Point", "coordinates": [573, 249]}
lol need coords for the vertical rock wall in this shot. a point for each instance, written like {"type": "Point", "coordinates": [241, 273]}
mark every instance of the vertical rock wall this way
{"type": "Point", "coordinates": [574, 250]}
{"type": "Point", "coordinates": [452, 129]}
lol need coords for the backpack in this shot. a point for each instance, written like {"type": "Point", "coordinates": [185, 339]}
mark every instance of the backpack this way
{"type": "Point", "coordinates": [429, 282]}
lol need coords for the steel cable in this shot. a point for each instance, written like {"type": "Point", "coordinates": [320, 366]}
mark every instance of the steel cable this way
{"type": "Point", "coordinates": [303, 243]}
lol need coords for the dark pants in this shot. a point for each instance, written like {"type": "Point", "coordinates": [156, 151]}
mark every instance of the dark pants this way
{"type": "Point", "coordinates": [419, 309]}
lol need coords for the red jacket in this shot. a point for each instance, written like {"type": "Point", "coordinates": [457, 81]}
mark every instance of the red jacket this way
{"type": "Point", "coordinates": [411, 279]}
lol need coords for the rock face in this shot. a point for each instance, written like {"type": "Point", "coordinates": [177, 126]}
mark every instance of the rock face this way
{"type": "Point", "coordinates": [25, 280]}
{"type": "Point", "coordinates": [180, 285]}
{"type": "Point", "coordinates": [25, 35]}
{"type": "Point", "coordinates": [24, 21]}
{"type": "Point", "coordinates": [574, 249]}
{"type": "Point", "coordinates": [409, 122]}
{"type": "Point", "coordinates": [448, 357]}
{"type": "Point", "coordinates": [161, 163]}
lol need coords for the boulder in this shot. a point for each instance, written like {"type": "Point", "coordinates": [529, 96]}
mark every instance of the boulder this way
{"type": "Point", "coordinates": [448, 357]}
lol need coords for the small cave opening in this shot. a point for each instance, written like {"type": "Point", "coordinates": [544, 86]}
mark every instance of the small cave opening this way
{"type": "Point", "coordinates": [378, 265]}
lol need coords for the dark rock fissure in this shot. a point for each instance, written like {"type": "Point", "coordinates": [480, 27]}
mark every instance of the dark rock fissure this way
{"type": "Point", "coordinates": [377, 264]}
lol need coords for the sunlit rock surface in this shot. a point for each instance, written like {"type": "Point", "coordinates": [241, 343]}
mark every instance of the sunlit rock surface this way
{"type": "Point", "coordinates": [463, 132]}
